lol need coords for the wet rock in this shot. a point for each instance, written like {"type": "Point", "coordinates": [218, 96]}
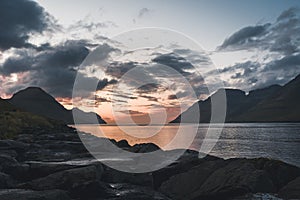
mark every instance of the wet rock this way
{"type": "Point", "coordinates": [291, 190]}
{"type": "Point", "coordinates": [238, 177]}
{"type": "Point", "coordinates": [10, 153]}
{"type": "Point", "coordinates": [6, 181]}
{"type": "Point", "coordinates": [114, 176]}
{"type": "Point", "coordinates": [42, 169]}
{"type": "Point", "coordinates": [7, 161]}
{"type": "Point", "coordinates": [13, 145]}
{"type": "Point", "coordinates": [19, 194]}
{"type": "Point", "coordinates": [18, 172]}
{"type": "Point", "coordinates": [280, 172]}
{"type": "Point", "coordinates": [66, 179]}
{"type": "Point", "coordinates": [90, 190]}
{"type": "Point", "coordinates": [183, 185]}
{"type": "Point", "coordinates": [132, 192]}
{"type": "Point", "coordinates": [187, 161]}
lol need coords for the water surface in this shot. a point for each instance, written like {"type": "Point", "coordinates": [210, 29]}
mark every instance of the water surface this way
{"type": "Point", "coordinates": [251, 140]}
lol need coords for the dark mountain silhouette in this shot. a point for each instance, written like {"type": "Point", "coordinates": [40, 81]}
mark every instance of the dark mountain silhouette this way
{"type": "Point", "coordinates": [6, 106]}
{"type": "Point", "coordinates": [37, 101]}
{"type": "Point", "coordinates": [271, 104]}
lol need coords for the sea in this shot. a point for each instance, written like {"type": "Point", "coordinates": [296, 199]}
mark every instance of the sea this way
{"type": "Point", "coordinates": [280, 141]}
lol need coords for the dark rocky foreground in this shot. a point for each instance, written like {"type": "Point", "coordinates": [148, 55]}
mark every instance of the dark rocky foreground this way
{"type": "Point", "coordinates": [40, 164]}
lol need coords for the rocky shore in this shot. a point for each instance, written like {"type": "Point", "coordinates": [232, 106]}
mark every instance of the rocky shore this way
{"type": "Point", "coordinates": [54, 164]}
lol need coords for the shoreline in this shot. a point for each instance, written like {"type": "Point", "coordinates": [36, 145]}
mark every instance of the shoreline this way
{"type": "Point", "coordinates": [39, 163]}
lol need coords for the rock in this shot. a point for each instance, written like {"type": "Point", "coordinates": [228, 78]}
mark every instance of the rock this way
{"type": "Point", "coordinates": [18, 172]}
{"type": "Point", "coordinates": [291, 190]}
{"type": "Point", "coordinates": [66, 179]}
{"type": "Point", "coordinates": [7, 161]}
{"type": "Point", "coordinates": [114, 176]}
{"type": "Point", "coordinates": [42, 169]}
{"type": "Point", "coordinates": [10, 153]}
{"type": "Point", "coordinates": [187, 161]}
{"type": "Point", "coordinates": [12, 144]}
{"type": "Point", "coordinates": [280, 172]}
{"type": "Point", "coordinates": [5, 181]}
{"type": "Point", "coordinates": [46, 155]}
{"type": "Point", "coordinates": [13, 194]}
{"type": "Point", "coordinates": [90, 189]}
{"type": "Point", "coordinates": [132, 192]}
{"type": "Point", "coordinates": [144, 148]}
{"type": "Point", "coordinates": [182, 185]}
{"type": "Point", "coordinates": [121, 143]}
{"type": "Point", "coordinates": [238, 177]}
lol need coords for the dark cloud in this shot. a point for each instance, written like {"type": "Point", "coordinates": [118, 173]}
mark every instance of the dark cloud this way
{"type": "Point", "coordinates": [105, 82]}
{"type": "Point", "coordinates": [172, 97]}
{"type": "Point", "coordinates": [150, 98]}
{"type": "Point", "coordinates": [148, 88]}
{"type": "Point", "coordinates": [247, 36]}
{"type": "Point", "coordinates": [178, 63]}
{"type": "Point", "coordinates": [118, 69]}
{"type": "Point", "coordinates": [55, 68]}
{"type": "Point", "coordinates": [281, 36]}
{"type": "Point", "coordinates": [288, 14]}
{"type": "Point", "coordinates": [252, 75]}
{"type": "Point", "coordinates": [286, 64]}
{"type": "Point", "coordinates": [100, 100]}
{"type": "Point", "coordinates": [18, 19]}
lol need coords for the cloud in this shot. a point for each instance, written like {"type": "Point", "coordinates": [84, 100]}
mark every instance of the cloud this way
{"type": "Point", "coordinates": [132, 112]}
{"type": "Point", "coordinates": [251, 75]}
{"type": "Point", "coordinates": [143, 12]}
{"type": "Point", "coordinates": [55, 68]}
{"type": "Point", "coordinates": [150, 98]}
{"type": "Point", "coordinates": [148, 88]}
{"type": "Point", "coordinates": [281, 36]}
{"type": "Point", "coordinates": [105, 82]}
{"type": "Point", "coordinates": [178, 63]}
{"type": "Point", "coordinates": [19, 19]}
{"type": "Point", "coordinates": [245, 37]}
{"type": "Point", "coordinates": [172, 97]}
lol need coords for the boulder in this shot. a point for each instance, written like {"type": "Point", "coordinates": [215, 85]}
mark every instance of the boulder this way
{"type": "Point", "coordinates": [13, 145]}
{"type": "Point", "coordinates": [238, 177]}
{"type": "Point", "coordinates": [6, 181]}
{"type": "Point", "coordinates": [183, 185]}
{"type": "Point", "coordinates": [132, 192]}
{"type": "Point", "coordinates": [7, 161]}
{"type": "Point", "coordinates": [67, 179]}
{"type": "Point", "coordinates": [187, 161]}
{"type": "Point", "coordinates": [18, 172]}
{"type": "Point", "coordinates": [291, 190]}
{"type": "Point", "coordinates": [19, 194]}
{"type": "Point", "coordinates": [114, 176]}
{"type": "Point", "coordinates": [42, 169]}
{"type": "Point", "coordinates": [281, 173]}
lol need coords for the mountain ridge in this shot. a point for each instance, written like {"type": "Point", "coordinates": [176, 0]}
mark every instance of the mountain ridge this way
{"type": "Point", "coordinates": [274, 103]}
{"type": "Point", "coordinates": [35, 100]}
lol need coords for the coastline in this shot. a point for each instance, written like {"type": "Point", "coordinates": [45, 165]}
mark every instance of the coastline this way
{"type": "Point", "coordinates": [46, 164]}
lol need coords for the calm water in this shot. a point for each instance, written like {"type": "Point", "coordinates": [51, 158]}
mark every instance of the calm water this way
{"type": "Point", "coordinates": [273, 140]}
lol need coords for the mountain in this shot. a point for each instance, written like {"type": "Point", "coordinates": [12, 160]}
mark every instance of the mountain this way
{"type": "Point", "coordinates": [6, 106]}
{"type": "Point", "coordinates": [271, 104]}
{"type": "Point", "coordinates": [13, 121]}
{"type": "Point", "coordinates": [37, 101]}
{"type": "Point", "coordinates": [283, 105]}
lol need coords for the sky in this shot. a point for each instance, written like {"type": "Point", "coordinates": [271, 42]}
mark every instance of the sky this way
{"type": "Point", "coordinates": [244, 44]}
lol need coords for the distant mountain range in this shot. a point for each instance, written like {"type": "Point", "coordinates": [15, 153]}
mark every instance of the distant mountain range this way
{"type": "Point", "coordinates": [37, 101]}
{"type": "Point", "coordinates": [272, 104]}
